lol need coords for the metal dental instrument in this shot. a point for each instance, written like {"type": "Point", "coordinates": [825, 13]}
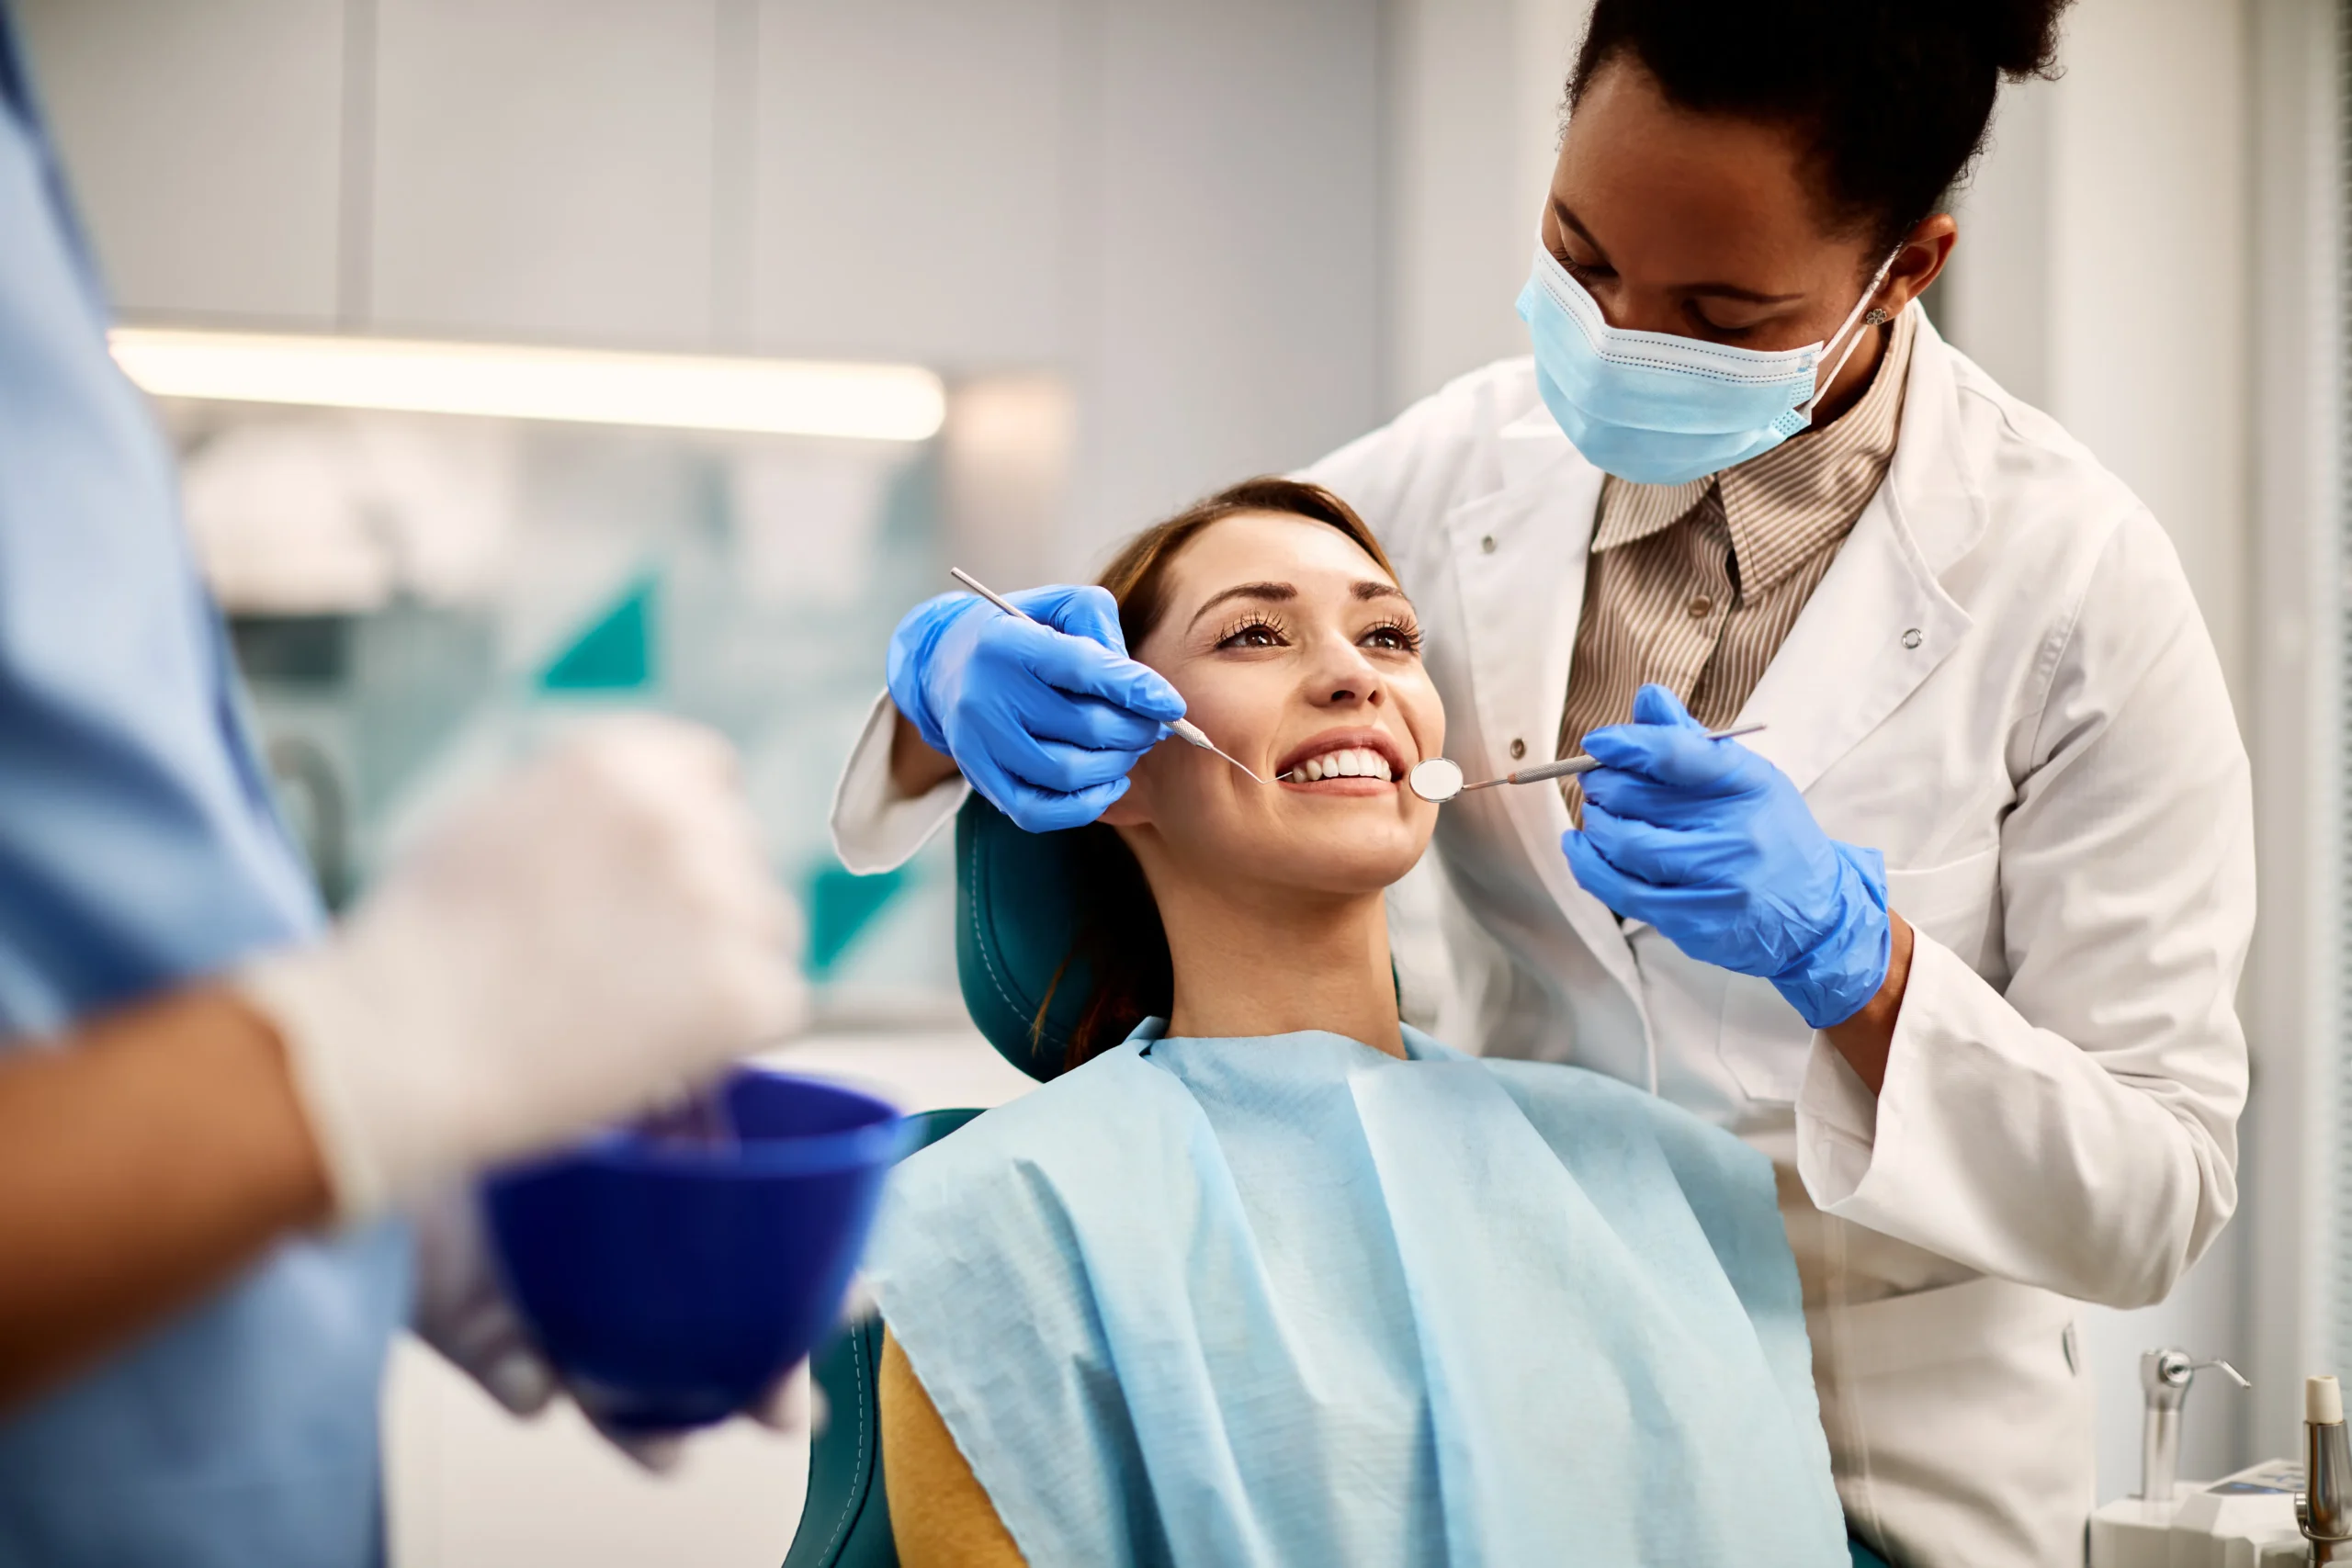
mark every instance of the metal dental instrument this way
{"type": "Point", "coordinates": [2165, 1377]}
{"type": "Point", "coordinates": [2323, 1508]}
{"type": "Point", "coordinates": [1186, 728]}
{"type": "Point", "coordinates": [1439, 780]}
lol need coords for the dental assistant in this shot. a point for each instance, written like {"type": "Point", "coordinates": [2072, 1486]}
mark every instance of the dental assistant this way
{"type": "Point", "coordinates": [214, 1107]}
{"type": "Point", "coordinates": [1955, 940]}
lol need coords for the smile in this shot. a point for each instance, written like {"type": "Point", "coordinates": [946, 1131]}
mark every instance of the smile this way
{"type": "Point", "coordinates": [1354, 763]}
{"type": "Point", "coordinates": [1343, 762]}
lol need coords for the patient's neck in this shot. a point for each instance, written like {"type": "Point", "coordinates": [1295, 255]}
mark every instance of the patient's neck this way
{"type": "Point", "coordinates": [1276, 961]}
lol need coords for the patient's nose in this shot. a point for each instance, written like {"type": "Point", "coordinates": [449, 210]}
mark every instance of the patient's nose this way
{"type": "Point", "coordinates": [1347, 679]}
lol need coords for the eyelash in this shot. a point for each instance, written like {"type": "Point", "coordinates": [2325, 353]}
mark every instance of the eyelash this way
{"type": "Point", "coordinates": [1579, 270]}
{"type": "Point", "coordinates": [1718, 331]}
{"type": "Point", "coordinates": [1233, 633]}
{"type": "Point", "coordinates": [1407, 636]}
{"type": "Point", "coordinates": [1584, 274]}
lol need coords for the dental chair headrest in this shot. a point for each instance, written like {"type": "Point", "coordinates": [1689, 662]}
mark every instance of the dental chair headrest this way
{"type": "Point", "coordinates": [1016, 917]}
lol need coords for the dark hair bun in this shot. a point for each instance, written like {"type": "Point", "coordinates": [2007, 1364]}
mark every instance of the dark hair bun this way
{"type": "Point", "coordinates": [1893, 96]}
{"type": "Point", "coordinates": [2020, 37]}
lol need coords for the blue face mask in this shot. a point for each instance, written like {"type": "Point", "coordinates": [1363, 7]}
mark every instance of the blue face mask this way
{"type": "Point", "coordinates": [1662, 410]}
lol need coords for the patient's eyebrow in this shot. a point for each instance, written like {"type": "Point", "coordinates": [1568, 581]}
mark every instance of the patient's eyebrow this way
{"type": "Point", "coordinates": [1373, 588]}
{"type": "Point", "coordinates": [1274, 591]}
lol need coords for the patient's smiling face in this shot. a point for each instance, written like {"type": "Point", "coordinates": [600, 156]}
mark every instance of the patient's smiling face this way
{"type": "Point", "coordinates": [1295, 653]}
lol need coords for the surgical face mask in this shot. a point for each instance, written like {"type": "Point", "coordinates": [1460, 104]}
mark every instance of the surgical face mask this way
{"type": "Point", "coordinates": [1662, 410]}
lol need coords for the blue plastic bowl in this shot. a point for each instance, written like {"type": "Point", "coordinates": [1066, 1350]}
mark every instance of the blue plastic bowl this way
{"type": "Point", "coordinates": [672, 1284]}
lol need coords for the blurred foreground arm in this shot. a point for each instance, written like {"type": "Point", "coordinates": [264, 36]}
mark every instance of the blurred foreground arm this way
{"type": "Point", "coordinates": [148, 1160]}
{"type": "Point", "coordinates": [595, 932]}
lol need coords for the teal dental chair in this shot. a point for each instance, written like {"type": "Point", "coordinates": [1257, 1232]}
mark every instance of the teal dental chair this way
{"type": "Point", "coordinates": [1015, 922]}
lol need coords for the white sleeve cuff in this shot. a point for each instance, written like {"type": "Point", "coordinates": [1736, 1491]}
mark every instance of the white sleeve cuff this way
{"type": "Point", "coordinates": [1837, 1123]}
{"type": "Point", "coordinates": [2005, 1148]}
{"type": "Point", "coordinates": [875, 827]}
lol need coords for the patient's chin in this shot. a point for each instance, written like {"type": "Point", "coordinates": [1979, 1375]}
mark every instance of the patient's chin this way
{"type": "Point", "coordinates": [1338, 858]}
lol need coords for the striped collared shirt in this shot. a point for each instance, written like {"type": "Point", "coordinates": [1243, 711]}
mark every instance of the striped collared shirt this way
{"type": "Point", "coordinates": [1695, 585]}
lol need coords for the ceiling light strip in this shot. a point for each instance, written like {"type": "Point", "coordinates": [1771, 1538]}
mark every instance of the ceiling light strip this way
{"type": "Point", "coordinates": [776, 397]}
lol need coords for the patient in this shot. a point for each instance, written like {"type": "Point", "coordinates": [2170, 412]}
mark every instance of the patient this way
{"type": "Point", "coordinates": [1268, 1276]}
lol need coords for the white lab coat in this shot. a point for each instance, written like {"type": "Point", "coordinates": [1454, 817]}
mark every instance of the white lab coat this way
{"type": "Point", "coordinates": [2003, 684]}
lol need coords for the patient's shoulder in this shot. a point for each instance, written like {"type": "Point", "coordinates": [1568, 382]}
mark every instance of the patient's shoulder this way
{"type": "Point", "coordinates": [1015, 1164]}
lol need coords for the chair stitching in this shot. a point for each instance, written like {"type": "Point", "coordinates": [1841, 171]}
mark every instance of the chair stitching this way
{"type": "Point", "coordinates": [857, 1481]}
{"type": "Point", "coordinates": [980, 938]}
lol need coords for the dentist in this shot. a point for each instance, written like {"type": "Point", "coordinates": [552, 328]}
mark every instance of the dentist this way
{"type": "Point", "coordinates": [1955, 940]}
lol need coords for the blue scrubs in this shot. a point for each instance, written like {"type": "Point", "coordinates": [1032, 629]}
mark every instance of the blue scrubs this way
{"type": "Point", "coordinates": [138, 850]}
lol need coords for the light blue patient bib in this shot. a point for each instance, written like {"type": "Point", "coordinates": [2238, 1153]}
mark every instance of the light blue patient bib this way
{"type": "Point", "coordinates": [1289, 1301]}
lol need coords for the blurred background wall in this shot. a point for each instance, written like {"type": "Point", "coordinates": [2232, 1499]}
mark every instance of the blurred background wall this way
{"type": "Point", "coordinates": [1150, 247]}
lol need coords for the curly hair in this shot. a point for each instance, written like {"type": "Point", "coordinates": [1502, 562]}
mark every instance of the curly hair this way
{"type": "Point", "coordinates": [1892, 96]}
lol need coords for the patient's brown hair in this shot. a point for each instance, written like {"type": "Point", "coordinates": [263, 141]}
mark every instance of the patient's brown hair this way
{"type": "Point", "coordinates": [1120, 941]}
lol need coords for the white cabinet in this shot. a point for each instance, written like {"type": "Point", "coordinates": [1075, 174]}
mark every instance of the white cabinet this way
{"type": "Point", "coordinates": [1178, 208]}
{"type": "Point", "coordinates": [1239, 231]}
{"type": "Point", "coordinates": [204, 143]}
{"type": "Point", "coordinates": [912, 190]}
{"type": "Point", "coordinates": [543, 170]}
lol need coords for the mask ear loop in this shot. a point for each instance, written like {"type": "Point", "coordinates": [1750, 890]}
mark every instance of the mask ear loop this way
{"type": "Point", "coordinates": [1868, 294]}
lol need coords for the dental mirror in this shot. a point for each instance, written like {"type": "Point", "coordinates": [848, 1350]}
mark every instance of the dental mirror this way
{"type": "Point", "coordinates": [1436, 781]}
{"type": "Point", "coordinates": [1439, 780]}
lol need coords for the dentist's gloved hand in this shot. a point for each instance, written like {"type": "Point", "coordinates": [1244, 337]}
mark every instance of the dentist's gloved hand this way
{"type": "Point", "coordinates": [462, 1311]}
{"type": "Point", "coordinates": [1713, 845]}
{"type": "Point", "coordinates": [1044, 720]}
{"type": "Point", "coordinates": [589, 936]}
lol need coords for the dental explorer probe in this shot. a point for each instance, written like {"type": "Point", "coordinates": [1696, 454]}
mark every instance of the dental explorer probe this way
{"type": "Point", "coordinates": [1184, 728]}
{"type": "Point", "coordinates": [1439, 780]}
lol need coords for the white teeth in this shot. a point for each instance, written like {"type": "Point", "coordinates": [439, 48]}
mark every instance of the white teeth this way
{"type": "Point", "coordinates": [1355, 762]}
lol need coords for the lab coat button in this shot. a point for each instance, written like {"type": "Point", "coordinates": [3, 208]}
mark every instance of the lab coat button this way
{"type": "Point", "coordinates": [1518, 749]}
{"type": "Point", "coordinates": [1487, 545]}
{"type": "Point", "coordinates": [1911, 638]}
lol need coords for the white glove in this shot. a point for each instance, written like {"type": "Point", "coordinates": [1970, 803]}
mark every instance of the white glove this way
{"type": "Point", "coordinates": [463, 1312]}
{"type": "Point", "coordinates": [590, 935]}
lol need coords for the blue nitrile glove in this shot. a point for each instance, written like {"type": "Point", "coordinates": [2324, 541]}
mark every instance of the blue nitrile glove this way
{"type": "Point", "coordinates": [1044, 720]}
{"type": "Point", "coordinates": [1713, 845]}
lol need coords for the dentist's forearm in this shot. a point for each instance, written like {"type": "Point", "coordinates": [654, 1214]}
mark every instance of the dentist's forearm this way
{"type": "Point", "coordinates": [143, 1162]}
{"type": "Point", "coordinates": [1865, 1039]}
{"type": "Point", "coordinates": [915, 768]}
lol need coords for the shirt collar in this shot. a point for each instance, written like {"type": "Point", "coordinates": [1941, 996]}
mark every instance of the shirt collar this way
{"type": "Point", "coordinates": [1787, 504]}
